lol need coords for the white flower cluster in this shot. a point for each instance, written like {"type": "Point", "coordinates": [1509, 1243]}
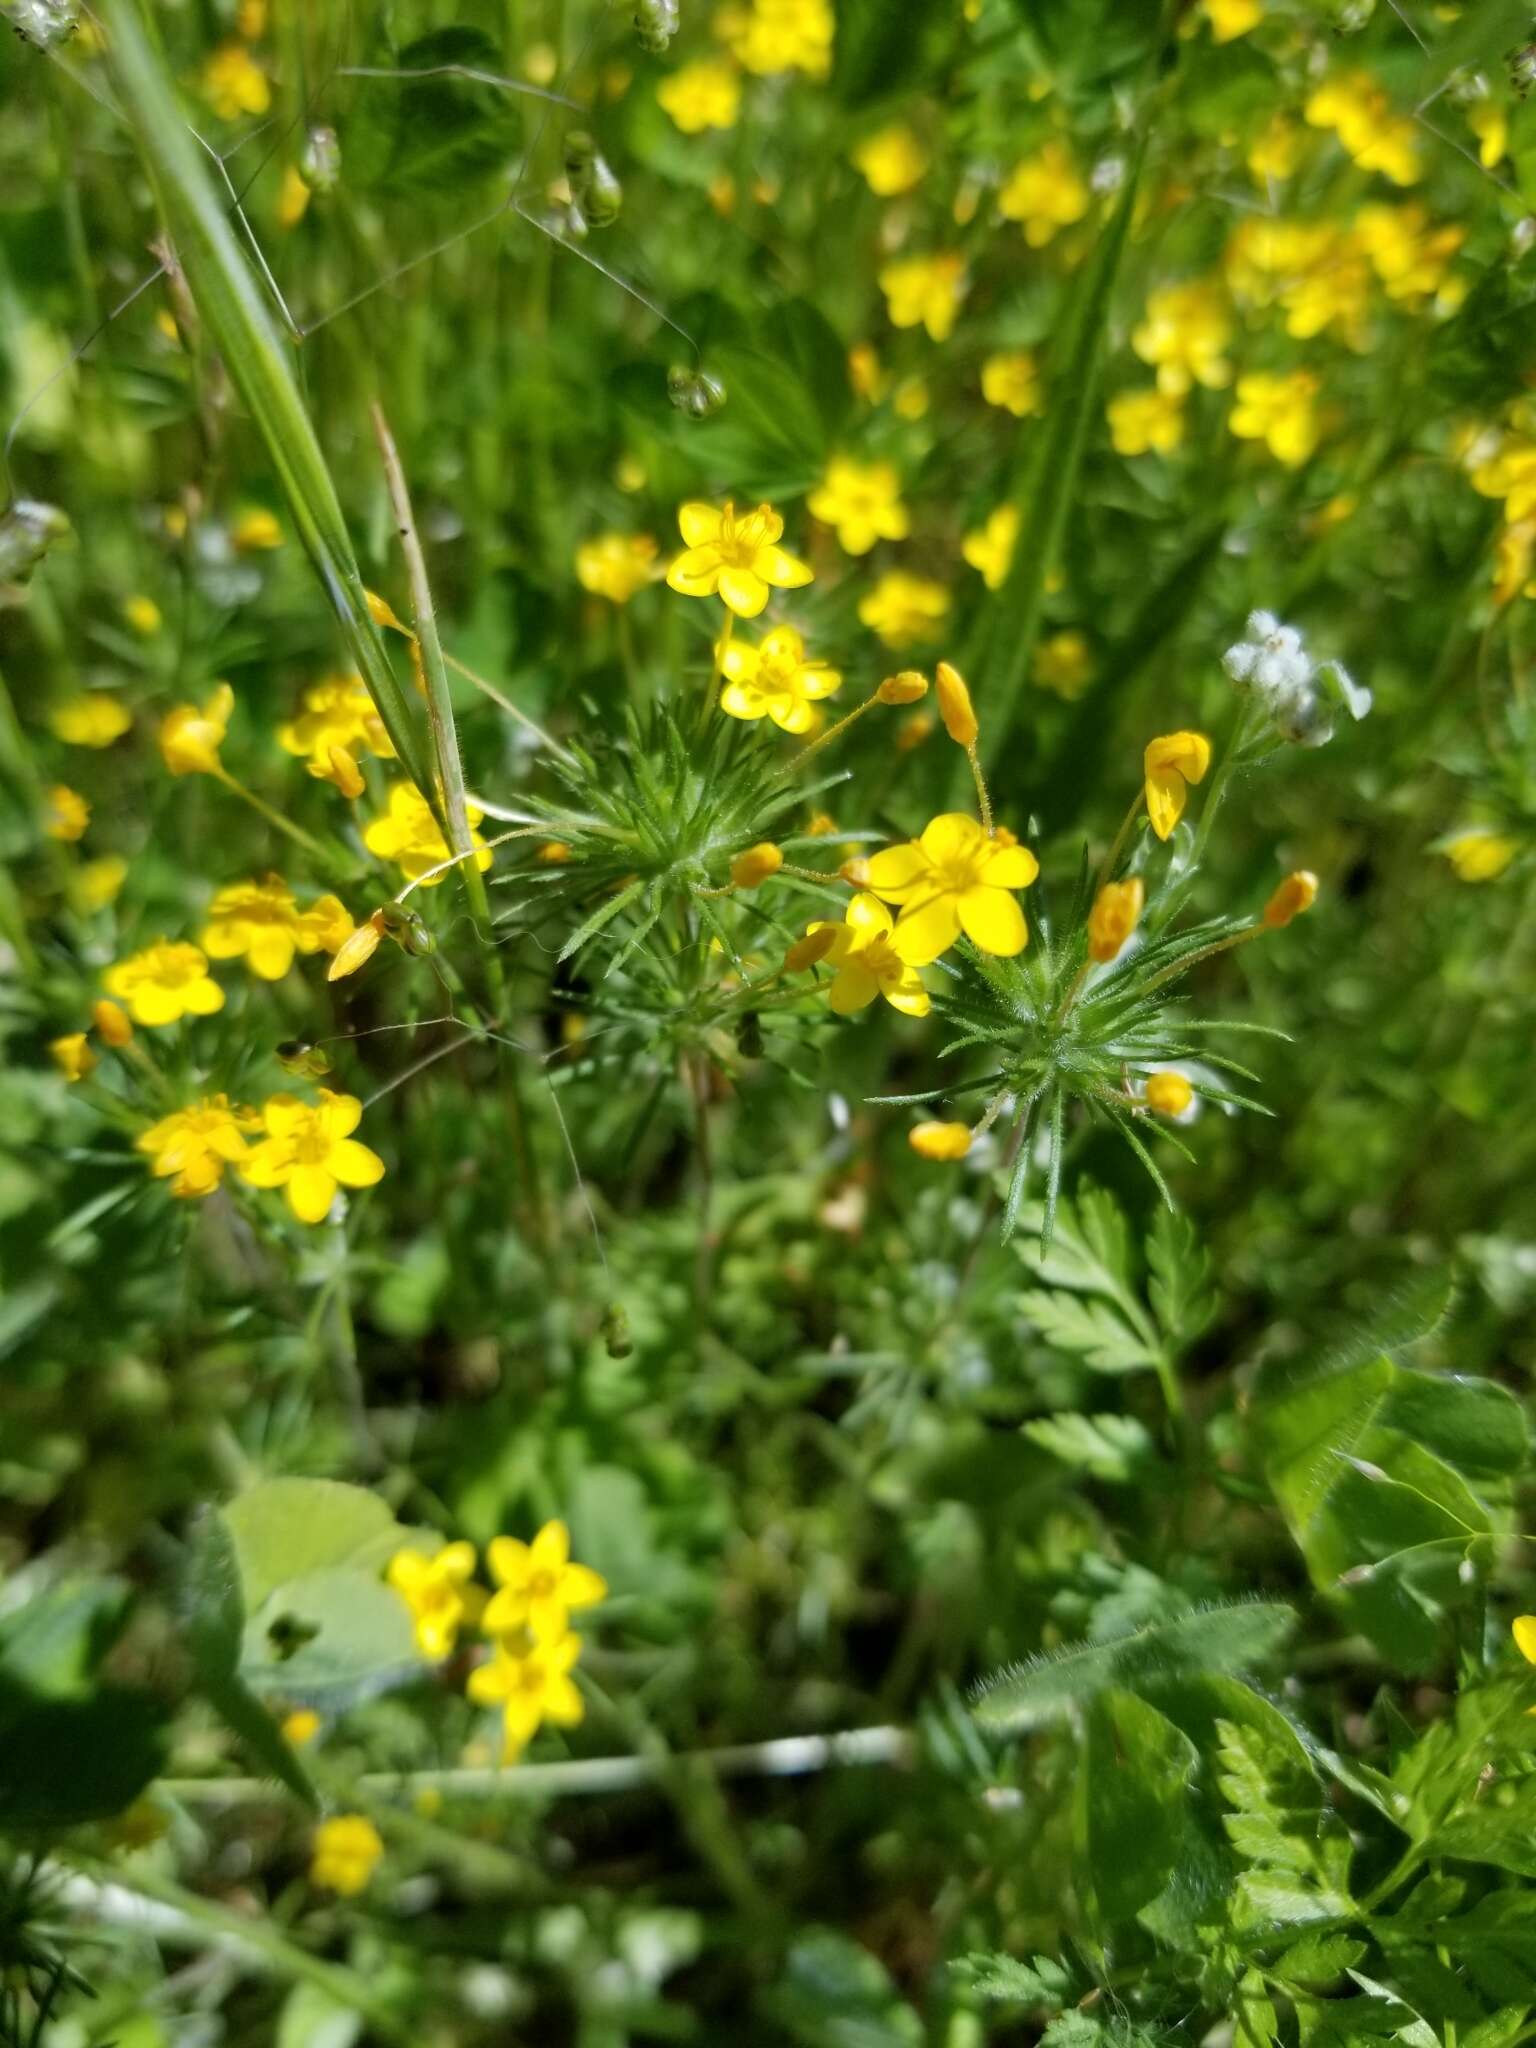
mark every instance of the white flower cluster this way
{"type": "Point", "coordinates": [1297, 693]}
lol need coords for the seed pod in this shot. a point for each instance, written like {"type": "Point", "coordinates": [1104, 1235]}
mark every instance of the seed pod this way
{"type": "Point", "coordinates": [580, 149]}
{"type": "Point", "coordinates": [603, 199]}
{"type": "Point", "coordinates": [617, 1340]}
{"type": "Point", "coordinates": [28, 529]}
{"type": "Point", "coordinates": [297, 1056]}
{"type": "Point", "coordinates": [406, 929]}
{"type": "Point", "coordinates": [695, 392]}
{"type": "Point", "coordinates": [655, 24]}
{"type": "Point", "coordinates": [320, 158]}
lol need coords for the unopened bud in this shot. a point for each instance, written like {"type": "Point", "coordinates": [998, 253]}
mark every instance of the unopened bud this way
{"type": "Point", "coordinates": [695, 392]}
{"type": "Point", "coordinates": [111, 1022]}
{"type": "Point", "coordinates": [655, 24]}
{"type": "Point", "coordinates": [617, 1340]}
{"type": "Point", "coordinates": [320, 159]}
{"type": "Point", "coordinates": [855, 870]}
{"type": "Point", "coordinates": [357, 948]}
{"type": "Point", "coordinates": [903, 688]}
{"type": "Point", "coordinates": [553, 853]}
{"type": "Point", "coordinates": [1114, 916]}
{"type": "Point", "coordinates": [942, 1141]}
{"type": "Point", "coordinates": [1295, 894]}
{"type": "Point", "coordinates": [340, 768]}
{"type": "Point", "coordinates": [405, 928]}
{"type": "Point", "coordinates": [955, 706]}
{"type": "Point", "coordinates": [1169, 1093]}
{"type": "Point", "coordinates": [756, 864]}
{"type": "Point", "coordinates": [816, 945]}
{"type": "Point", "coordinates": [913, 731]}
{"type": "Point", "coordinates": [380, 613]}
{"type": "Point", "coordinates": [603, 198]}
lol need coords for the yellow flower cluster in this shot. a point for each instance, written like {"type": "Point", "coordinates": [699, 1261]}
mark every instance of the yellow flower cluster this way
{"type": "Point", "coordinates": [260, 922]}
{"type": "Point", "coordinates": [305, 1149]}
{"type": "Point", "coordinates": [1045, 193]}
{"type": "Point", "coordinates": [779, 35]}
{"type": "Point", "coordinates": [337, 723]}
{"type": "Point", "coordinates": [925, 291]}
{"type": "Point", "coordinates": [862, 501]}
{"type": "Point", "coordinates": [1375, 135]}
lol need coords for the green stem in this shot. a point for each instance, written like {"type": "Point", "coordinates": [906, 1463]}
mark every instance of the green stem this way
{"type": "Point", "coordinates": [273, 817]}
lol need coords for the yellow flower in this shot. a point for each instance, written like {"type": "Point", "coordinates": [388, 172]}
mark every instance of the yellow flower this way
{"type": "Point", "coordinates": [892, 160]}
{"type": "Point", "coordinates": [72, 1055]}
{"type": "Point", "coordinates": [1489, 121]}
{"type": "Point", "coordinates": [739, 559]}
{"type": "Point", "coordinates": [705, 94]}
{"type": "Point", "coordinates": [408, 834]}
{"type": "Point", "coordinates": [616, 565]}
{"type": "Point", "coordinates": [1064, 663]}
{"type": "Point", "coordinates": [191, 1147]}
{"type": "Point", "coordinates": [924, 291]}
{"type": "Point", "coordinates": [256, 530]}
{"type": "Point", "coordinates": [1168, 1093]}
{"type": "Point", "coordinates": [1275, 151]}
{"type": "Point", "coordinates": [1514, 557]}
{"type": "Point", "coordinates": [98, 882]}
{"type": "Point", "coordinates": [1523, 1629]}
{"type": "Point", "coordinates": [904, 609]}
{"type": "Point", "coordinates": [292, 197]}
{"type": "Point", "coordinates": [1011, 380]}
{"type": "Point", "coordinates": [93, 720]}
{"type": "Point", "coordinates": [865, 373]}
{"type": "Point", "coordinates": [1278, 409]}
{"type": "Point", "coordinates": [67, 814]}
{"type": "Point", "coordinates": [990, 547]}
{"type": "Point", "coordinates": [1298, 892]}
{"type": "Point", "coordinates": [1142, 421]}
{"type": "Point", "coordinates": [954, 879]}
{"type": "Point", "coordinates": [1510, 473]}
{"type": "Point", "coordinates": [309, 1152]}
{"type": "Point", "coordinates": [530, 1681]}
{"type": "Point", "coordinates": [261, 922]}
{"type": "Point", "coordinates": [437, 1591]}
{"type": "Point", "coordinates": [1170, 763]}
{"type": "Point", "coordinates": [1480, 855]}
{"type": "Point", "coordinates": [346, 1853]}
{"type": "Point", "coordinates": [190, 739]}
{"type": "Point", "coordinates": [1230, 19]}
{"type": "Point", "coordinates": [338, 718]}
{"type": "Point", "coordinates": [1185, 336]}
{"type": "Point", "coordinates": [940, 1141]}
{"type": "Point", "coordinates": [300, 1727]}
{"type": "Point", "coordinates": [863, 501]}
{"type": "Point", "coordinates": [164, 983]}
{"type": "Point", "coordinates": [1046, 193]}
{"type": "Point", "coordinates": [1115, 914]}
{"type": "Point", "coordinates": [905, 687]}
{"type": "Point", "coordinates": [780, 35]}
{"type": "Point", "coordinates": [235, 84]}
{"type": "Point", "coordinates": [538, 1584]}
{"type": "Point", "coordinates": [1361, 115]}
{"type": "Point", "coordinates": [1409, 256]}
{"type": "Point", "coordinates": [955, 706]}
{"type": "Point", "coordinates": [775, 680]}
{"type": "Point", "coordinates": [866, 963]}
{"type": "Point", "coordinates": [143, 614]}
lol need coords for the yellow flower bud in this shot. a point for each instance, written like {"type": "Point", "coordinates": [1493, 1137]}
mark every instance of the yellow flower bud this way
{"type": "Point", "coordinates": [143, 614]}
{"type": "Point", "coordinates": [940, 1140]}
{"type": "Point", "coordinates": [822, 823]}
{"type": "Point", "coordinates": [301, 1726]}
{"type": "Point", "coordinates": [903, 688]}
{"type": "Point", "coordinates": [955, 705]}
{"type": "Point", "coordinates": [1295, 894]}
{"type": "Point", "coordinates": [1114, 916]}
{"type": "Point", "coordinates": [357, 948]}
{"type": "Point", "coordinates": [72, 1056]}
{"type": "Point", "coordinates": [111, 1022]}
{"type": "Point", "coordinates": [553, 853]}
{"type": "Point", "coordinates": [756, 864]}
{"type": "Point", "coordinates": [340, 767]}
{"type": "Point", "coordinates": [816, 945]}
{"type": "Point", "coordinates": [381, 615]}
{"type": "Point", "coordinates": [855, 871]}
{"type": "Point", "coordinates": [1168, 1093]}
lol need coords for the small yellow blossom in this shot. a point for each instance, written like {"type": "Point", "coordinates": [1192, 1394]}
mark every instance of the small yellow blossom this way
{"type": "Point", "coordinates": [72, 1055]}
{"type": "Point", "coordinates": [1489, 121]}
{"type": "Point", "coordinates": [1523, 1629]}
{"type": "Point", "coordinates": [301, 1727]}
{"type": "Point", "coordinates": [1064, 663]}
{"type": "Point", "coordinates": [1298, 892]}
{"type": "Point", "coordinates": [1170, 763]}
{"type": "Point", "coordinates": [865, 374]}
{"type": "Point", "coordinates": [338, 718]}
{"type": "Point", "coordinates": [1481, 855]}
{"type": "Point", "coordinates": [906, 687]}
{"type": "Point", "coordinates": [530, 1681]}
{"type": "Point", "coordinates": [912, 731]}
{"type": "Point", "coordinates": [1185, 336]}
{"type": "Point", "coordinates": [1142, 422]}
{"type": "Point", "coordinates": [865, 961]}
{"type": "Point", "coordinates": [1509, 472]}
{"type": "Point", "coordinates": [940, 1141]}
{"type": "Point", "coordinates": [1046, 192]}
{"type": "Point", "coordinates": [256, 530]}
{"type": "Point", "coordinates": [293, 196]}
{"type": "Point", "coordinates": [737, 558]}
{"type": "Point", "coordinates": [261, 923]}
{"type": "Point", "coordinates": [538, 1585]}
{"type": "Point", "coordinates": [893, 160]}
{"type": "Point", "coordinates": [190, 738]}
{"type": "Point", "coordinates": [1275, 151]}
{"type": "Point", "coordinates": [1011, 379]}
{"type": "Point", "coordinates": [862, 500]}
{"type": "Point", "coordinates": [1279, 409]}
{"type": "Point", "coordinates": [437, 1591]}
{"type": "Point", "coordinates": [1409, 255]}
{"type": "Point", "coordinates": [165, 982]}
{"type": "Point", "coordinates": [704, 94]}
{"type": "Point", "coordinates": [1356, 108]}
{"type": "Point", "coordinates": [67, 814]}
{"type": "Point", "coordinates": [251, 19]}
{"type": "Point", "coordinates": [955, 706]}
{"type": "Point", "coordinates": [1115, 915]}
{"type": "Point", "coordinates": [143, 614]}
{"type": "Point", "coordinates": [1168, 1093]}
{"type": "Point", "coordinates": [357, 948]}
{"type": "Point", "coordinates": [1514, 558]}
{"type": "Point", "coordinates": [553, 853]}
{"type": "Point", "coordinates": [98, 882]}
{"type": "Point", "coordinates": [779, 35]}
{"type": "Point", "coordinates": [953, 878]}
{"type": "Point", "coordinates": [616, 565]}
{"type": "Point", "coordinates": [111, 1024]}
{"type": "Point", "coordinates": [191, 1147]}
{"type": "Point", "coordinates": [904, 609]}
{"type": "Point", "coordinates": [93, 720]}
{"type": "Point", "coordinates": [756, 865]}
{"type": "Point", "coordinates": [990, 547]}
{"type": "Point", "coordinates": [347, 1850]}
{"type": "Point", "coordinates": [235, 84]}
{"type": "Point", "coordinates": [1230, 19]}
{"type": "Point", "coordinates": [408, 834]}
{"type": "Point", "coordinates": [925, 291]}
{"type": "Point", "coordinates": [309, 1152]}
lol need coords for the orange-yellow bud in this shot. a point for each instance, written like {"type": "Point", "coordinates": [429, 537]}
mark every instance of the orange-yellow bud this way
{"type": "Point", "coordinates": [903, 688]}
{"type": "Point", "coordinates": [955, 706]}
{"type": "Point", "coordinates": [816, 945]}
{"type": "Point", "coordinates": [1295, 894]}
{"type": "Point", "coordinates": [940, 1140]}
{"type": "Point", "coordinates": [357, 948]}
{"type": "Point", "coordinates": [855, 870]}
{"type": "Point", "coordinates": [913, 731]}
{"type": "Point", "coordinates": [756, 864]}
{"type": "Point", "coordinates": [72, 1056]}
{"type": "Point", "coordinates": [1169, 1093]}
{"type": "Point", "coordinates": [111, 1022]}
{"type": "Point", "coordinates": [340, 767]}
{"type": "Point", "coordinates": [1114, 916]}
{"type": "Point", "coordinates": [553, 853]}
{"type": "Point", "coordinates": [381, 615]}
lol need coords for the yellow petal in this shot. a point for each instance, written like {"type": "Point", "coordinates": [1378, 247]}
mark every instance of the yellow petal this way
{"type": "Point", "coordinates": [1523, 1628]}
{"type": "Point", "coordinates": [745, 592]}
{"type": "Point", "coordinates": [1165, 801]}
{"type": "Point", "coordinates": [992, 919]}
{"type": "Point", "coordinates": [898, 870]}
{"type": "Point", "coordinates": [926, 929]}
{"type": "Point", "coordinates": [698, 524]}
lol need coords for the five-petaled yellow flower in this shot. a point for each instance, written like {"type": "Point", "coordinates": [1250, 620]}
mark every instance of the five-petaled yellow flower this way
{"type": "Point", "coordinates": [1143, 421]}
{"type": "Point", "coordinates": [925, 291]}
{"type": "Point", "coordinates": [1171, 762]}
{"type": "Point", "coordinates": [337, 723]}
{"type": "Point", "coordinates": [309, 1152]}
{"type": "Point", "coordinates": [893, 160]}
{"type": "Point", "coordinates": [94, 719]}
{"type": "Point", "coordinates": [954, 879]}
{"type": "Point", "coordinates": [531, 1682]}
{"type": "Point", "coordinates": [990, 547]}
{"type": "Point", "coordinates": [1279, 409]}
{"type": "Point", "coordinates": [1012, 380]}
{"type": "Point", "coordinates": [862, 500]}
{"type": "Point", "coordinates": [539, 1585]}
{"type": "Point", "coordinates": [165, 982]}
{"type": "Point", "coordinates": [1045, 193]}
{"type": "Point", "coordinates": [705, 94]}
{"type": "Point", "coordinates": [346, 1852]}
{"type": "Point", "coordinates": [1480, 855]}
{"type": "Point", "coordinates": [1356, 108]}
{"type": "Point", "coordinates": [1184, 335]}
{"type": "Point", "coordinates": [904, 609]}
{"type": "Point", "coordinates": [438, 1592]}
{"type": "Point", "coordinates": [67, 814]}
{"type": "Point", "coordinates": [616, 565]}
{"type": "Point", "coordinates": [774, 680]}
{"type": "Point", "coordinates": [408, 834]}
{"type": "Point", "coordinates": [866, 963]}
{"type": "Point", "coordinates": [191, 1147]}
{"type": "Point", "coordinates": [1230, 19]}
{"type": "Point", "coordinates": [261, 922]}
{"type": "Point", "coordinates": [190, 738]}
{"type": "Point", "coordinates": [738, 558]}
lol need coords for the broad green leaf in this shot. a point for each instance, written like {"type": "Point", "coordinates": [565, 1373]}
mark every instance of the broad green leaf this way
{"type": "Point", "coordinates": [284, 1528]}
{"type": "Point", "coordinates": [329, 1637]}
{"type": "Point", "coordinates": [1136, 1801]}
